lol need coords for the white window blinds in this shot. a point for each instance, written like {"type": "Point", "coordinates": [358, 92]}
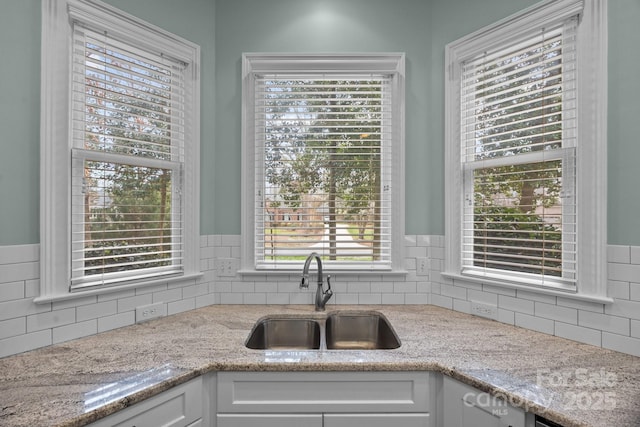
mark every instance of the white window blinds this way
{"type": "Point", "coordinates": [322, 170]}
{"type": "Point", "coordinates": [127, 162]}
{"type": "Point", "coordinates": [518, 128]}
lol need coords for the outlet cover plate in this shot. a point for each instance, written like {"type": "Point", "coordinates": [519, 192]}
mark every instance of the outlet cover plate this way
{"type": "Point", "coordinates": [489, 311]}
{"type": "Point", "coordinates": [151, 311]}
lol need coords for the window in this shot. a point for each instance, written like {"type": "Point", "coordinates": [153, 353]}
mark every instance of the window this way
{"type": "Point", "coordinates": [323, 149]}
{"type": "Point", "coordinates": [523, 151]}
{"type": "Point", "coordinates": [120, 184]}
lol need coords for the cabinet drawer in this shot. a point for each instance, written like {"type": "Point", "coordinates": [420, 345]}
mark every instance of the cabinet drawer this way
{"type": "Point", "coordinates": [176, 407]}
{"type": "Point", "coordinates": [269, 420]}
{"type": "Point", "coordinates": [335, 392]}
{"type": "Point", "coordinates": [376, 420]}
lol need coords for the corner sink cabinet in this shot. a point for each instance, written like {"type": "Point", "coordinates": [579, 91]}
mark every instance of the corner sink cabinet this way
{"type": "Point", "coordinates": [323, 399]}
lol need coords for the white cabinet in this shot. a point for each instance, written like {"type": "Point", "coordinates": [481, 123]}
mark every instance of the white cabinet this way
{"type": "Point", "coordinates": [376, 420]}
{"type": "Point", "coordinates": [180, 406]}
{"type": "Point", "coordinates": [466, 406]}
{"type": "Point", "coordinates": [269, 420]}
{"type": "Point", "coordinates": [323, 399]}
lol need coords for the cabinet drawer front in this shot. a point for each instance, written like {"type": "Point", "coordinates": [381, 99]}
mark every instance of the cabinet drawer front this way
{"type": "Point", "coordinates": [269, 420]}
{"type": "Point", "coordinates": [376, 420]}
{"type": "Point", "coordinates": [295, 392]}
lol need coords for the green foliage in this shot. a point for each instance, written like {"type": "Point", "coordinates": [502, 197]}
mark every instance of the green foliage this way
{"type": "Point", "coordinates": [504, 235]}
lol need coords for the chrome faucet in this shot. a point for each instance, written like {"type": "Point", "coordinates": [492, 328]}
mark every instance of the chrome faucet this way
{"type": "Point", "coordinates": [322, 296]}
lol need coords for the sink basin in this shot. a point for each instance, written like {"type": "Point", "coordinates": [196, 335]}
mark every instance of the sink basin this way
{"type": "Point", "coordinates": [340, 330]}
{"type": "Point", "coordinates": [284, 334]}
{"type": "Point", "coordinates": [360, 331]}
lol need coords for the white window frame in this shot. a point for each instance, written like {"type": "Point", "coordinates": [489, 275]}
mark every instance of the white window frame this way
{"type": "Point", "coordinates": [591, 151]}
{"type": "Point", "coordinates": [56, 141]}
{"type": "Point", "coordinates": [380, 63]}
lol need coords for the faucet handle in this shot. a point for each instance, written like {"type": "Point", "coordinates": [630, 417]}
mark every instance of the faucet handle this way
{"type": "Point", "coordinates": [328, 284]}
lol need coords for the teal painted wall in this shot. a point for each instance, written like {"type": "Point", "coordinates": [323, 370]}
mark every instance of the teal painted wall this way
{"type": "Point", "coordinates": [226, 28]}
{"type": "Point", "coordinates": [623, 151]}
{"type": "Point", "coordinates": [20, 122]}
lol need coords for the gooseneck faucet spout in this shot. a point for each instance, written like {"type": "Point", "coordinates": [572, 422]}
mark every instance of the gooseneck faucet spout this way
{"type": "Point", "coordinates": [322, 296]}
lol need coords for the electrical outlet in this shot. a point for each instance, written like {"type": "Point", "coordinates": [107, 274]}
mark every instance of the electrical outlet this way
{"type": "Point", "coordinates": [151, 311]}
{"type": "Point", "coordinates": [226, 267]}
{"type": "Point", "coordinates": [489, 311]}
{"type": "Point", "coordinates": [422, 266]}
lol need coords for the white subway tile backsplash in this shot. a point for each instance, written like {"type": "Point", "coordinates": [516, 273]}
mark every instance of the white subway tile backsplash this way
{"type": "Point", "coordinates": [556, 312]}
{"type": "Point", "coordinates": [621, 254]}
{"type": "Point", "coordinates": [500, 290]}
{"type": "Point", "coordinates": [515, 304]}
{"type": "Point", "coordinates": [390, 298]}
{"type": "Point", "coordinates": [453, 291]}
{"type": "Point", "coordinates": [75, 330]}
{"type": "Point", "coordinates": [360, 287]}
{"type": "Point", "coordinates": [604, 322]}
{"type": "Point", "coordinates": [618, 290]}
{"type": "Point", "coordinates": [483, 297]}
{"type": "Point", "coordinates": [12, 290]}
{"type": "Point", "coordinates": [534, 296]}
{"type": "Point", "coordinates": [231, 298]}
{"type": "Point", "coordinates": [635, 254]}
{"type": "Point", "coordinates": [622, 308]}
{"type": "Point", "coordinates": [31, 288]}
{"type": "Point", "coordinates": [50, 319]}
{"type": "Point", "coordinates": [255, 298]}
{"type": "Point", "coordinates": [168, 295]}
{"type": "Point", "coordinates": [116, 321]}
{"type": "Point", "coordinates": [26, 342]}
{"type": "Point", "coordinates": [634, 291]}
{"type": "Point", "coordinates": [181, 305]}
{"type": "Point", "coordinates": [442, 301]}
{"type": "Point", "coordinates": [13, 327]}
{"type": "Point", "coordinates": [462, 306]}
{"type": "Point", "coordinates": [371, 299]}
{"type": "Point", "coordinates": [581, 305]}
{"type": "Point", "coordinates": [130, 303]}
{"type": "Point", "coordinates": [16, 254]}
{"type": "Point", "coordinates": [506, 316]}
{"type": "Point", "coordinates": [615, 342]}
{"type": "Point", "coordinates": [19, 272]}
{"type": "Point", "coordinates": [535, 323]}
{"type": "Point", "coordinates": [22, 307]}
{"type": "Point", "coordinates": [579, 333]}
{"type": "Point", "coordinates": [405, 287]}
{"type": "Point", "coordinates": [93, 311]}
{"type": "Point", "coordinates": [624, 272]}
{"type": "Point", "coordinates": [25, 325]}
{"type": "Point", "coordinates": [635, 328]}
{"type": "Point", "coordinates": [279, 299]}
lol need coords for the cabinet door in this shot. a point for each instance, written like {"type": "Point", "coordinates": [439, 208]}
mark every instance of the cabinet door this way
{"type": "Point", "coordinates": [466, 406]}
{"type": "Point", "coordinates": [269, 420]}
{"type": "Point", "coordinates": [376, 420]}
{"type": "Point", "coordinates": [176, 407]}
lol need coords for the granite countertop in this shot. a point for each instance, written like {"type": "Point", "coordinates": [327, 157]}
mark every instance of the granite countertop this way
{"type": "Point", "coordinates": [565, 381]}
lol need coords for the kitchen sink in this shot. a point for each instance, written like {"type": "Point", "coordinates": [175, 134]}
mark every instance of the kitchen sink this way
{"type": "Point", "coordinates": [360, 331]}
{"type": "Point", "coordinates": [284, 333]}
{"type": "Point", "coordinates": [340, 330]}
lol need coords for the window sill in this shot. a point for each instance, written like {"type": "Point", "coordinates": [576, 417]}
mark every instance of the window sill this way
{"type": "Point", "coordinates": [135, 285]}
{"type": "Point", "coordinates": [601, 299]}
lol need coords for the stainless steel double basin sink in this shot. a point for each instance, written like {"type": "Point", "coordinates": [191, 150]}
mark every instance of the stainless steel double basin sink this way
{"type": "Point", "coordinates": [340, 330]}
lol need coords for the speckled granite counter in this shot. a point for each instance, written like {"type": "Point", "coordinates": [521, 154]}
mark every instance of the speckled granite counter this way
{"type": "Point", "coordinates": [571, 383]}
